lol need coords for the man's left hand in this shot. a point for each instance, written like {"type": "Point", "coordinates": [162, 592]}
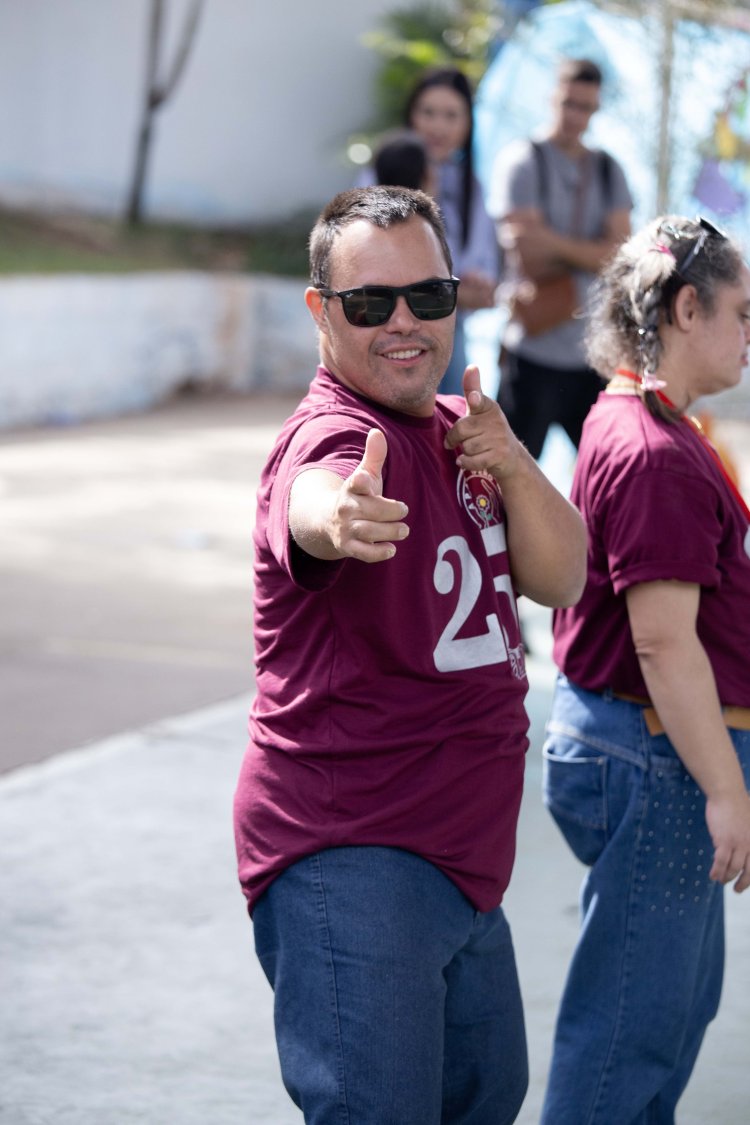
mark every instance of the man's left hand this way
{"type": "Point", "coordinates": [487, 442]}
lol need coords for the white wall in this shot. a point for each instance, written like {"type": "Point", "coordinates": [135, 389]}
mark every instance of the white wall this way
{"type": "Point", "coordinates": [256, 128]}
{"type": "Point", "coordinates": [81, 347]}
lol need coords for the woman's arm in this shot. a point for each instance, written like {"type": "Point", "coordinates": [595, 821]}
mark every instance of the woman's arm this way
{"type": "Point", "coordinates": [681, 685]}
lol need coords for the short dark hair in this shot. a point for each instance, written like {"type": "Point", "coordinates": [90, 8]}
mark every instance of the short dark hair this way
{"type": "Point", "coordinates": [383, 207]}
{"type": "Point", "coordinates": [580, 70]}
{"type": "Point", "coordinates": [401, 159]}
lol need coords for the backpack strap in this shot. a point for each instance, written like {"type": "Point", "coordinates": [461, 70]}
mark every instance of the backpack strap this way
{"type": "Point", "coordinates": [541, 177]}
{"type": "Point", "coordinates": [605, 177]}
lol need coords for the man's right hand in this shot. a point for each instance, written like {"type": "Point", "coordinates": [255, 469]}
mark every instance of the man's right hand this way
{"type": "Point", "coordinates": [331, 519]}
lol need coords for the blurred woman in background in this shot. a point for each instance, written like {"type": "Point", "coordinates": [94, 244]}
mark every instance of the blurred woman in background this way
{"type": "Point", "coordinates": [440, 111]}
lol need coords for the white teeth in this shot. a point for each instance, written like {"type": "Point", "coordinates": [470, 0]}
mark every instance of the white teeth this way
{"type": "Point", "coordinates": [410, 354]}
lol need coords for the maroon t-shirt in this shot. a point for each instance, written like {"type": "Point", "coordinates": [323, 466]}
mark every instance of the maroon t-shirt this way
{"type": "Point", "coordinates": [657, 507]}
{"type": "Point", "coordinates": [390, 702]}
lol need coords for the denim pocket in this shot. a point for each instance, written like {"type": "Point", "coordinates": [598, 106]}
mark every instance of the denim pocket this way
{"type": "Point", "coordinates": [574, 791]}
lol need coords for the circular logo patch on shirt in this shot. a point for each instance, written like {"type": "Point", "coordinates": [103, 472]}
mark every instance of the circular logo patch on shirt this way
{"type": "Point", "coordinates": [480, 495]}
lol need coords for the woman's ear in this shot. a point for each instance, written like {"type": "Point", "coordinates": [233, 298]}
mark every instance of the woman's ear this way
{"type": "Point", "coordinates": [685, 307]}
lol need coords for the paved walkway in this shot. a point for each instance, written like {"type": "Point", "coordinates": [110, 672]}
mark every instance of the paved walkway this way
{"type": "Point", "coordinates": [130, 992]}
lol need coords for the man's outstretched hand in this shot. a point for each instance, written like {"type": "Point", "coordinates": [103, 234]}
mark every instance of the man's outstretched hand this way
{"type": "Point", "coordinates": [487, 442]}
{"type": "Point", "coordinates": [365, 525]}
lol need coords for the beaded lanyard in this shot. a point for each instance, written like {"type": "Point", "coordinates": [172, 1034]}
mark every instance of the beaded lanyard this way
{"type": "Point", "coordinates": [698, 429]}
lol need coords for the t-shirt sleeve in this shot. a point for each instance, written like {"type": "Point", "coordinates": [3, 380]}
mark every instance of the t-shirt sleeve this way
{"type": "Point", "coordinates": [661, 525]}
{"type": "Point", "coordinates": [330, 443]}
{"type": "Point", "coordinates": [513, 183]}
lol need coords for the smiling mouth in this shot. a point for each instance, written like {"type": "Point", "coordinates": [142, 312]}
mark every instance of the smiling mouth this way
{"type": "Point", "coordinates": [404, 353]}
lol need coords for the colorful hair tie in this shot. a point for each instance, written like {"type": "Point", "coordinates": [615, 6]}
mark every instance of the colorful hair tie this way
{"type": "Point", "coordinates": [649, 382]}
{"type": "Point", "coordinates": [661, 248]}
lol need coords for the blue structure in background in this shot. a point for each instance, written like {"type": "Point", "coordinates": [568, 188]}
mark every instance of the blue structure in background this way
{"type": "Point", "coordinates": [710, 127]}
{"type": "Point", "coordinates": [710, 116]}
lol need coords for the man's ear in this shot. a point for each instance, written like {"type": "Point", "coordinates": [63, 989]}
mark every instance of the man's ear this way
{"type": "Point", "coordinates": [315, 303]}
{"type": "Point", "coordinates": [685, 307]}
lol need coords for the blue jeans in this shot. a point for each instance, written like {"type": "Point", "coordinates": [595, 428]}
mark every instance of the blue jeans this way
{"type": "Point", "coordinates": [395, 1001]}
{"type": "Point", "coordinates": [646, 974]}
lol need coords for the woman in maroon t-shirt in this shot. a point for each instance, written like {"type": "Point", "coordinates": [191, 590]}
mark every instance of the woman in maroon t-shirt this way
{"type": "Point", "coordinates": [647, 760]}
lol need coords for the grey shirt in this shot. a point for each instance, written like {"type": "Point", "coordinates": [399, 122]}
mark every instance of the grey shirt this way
{"type": "Point", "coordinates": [515, 184]}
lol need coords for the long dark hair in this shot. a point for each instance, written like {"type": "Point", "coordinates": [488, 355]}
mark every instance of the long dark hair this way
{"type": "Point", "coordinates": [456, 80]}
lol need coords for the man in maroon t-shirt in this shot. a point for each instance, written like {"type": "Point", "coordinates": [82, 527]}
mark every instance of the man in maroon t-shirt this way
{"type": "Point", "coordinates": [376, 809]}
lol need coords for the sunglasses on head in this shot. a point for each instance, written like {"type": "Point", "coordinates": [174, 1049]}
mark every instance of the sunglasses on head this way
{"type": "Point", "coordinates": [372, 305]}
{"type": "Point", "coordinates": [707, 230]}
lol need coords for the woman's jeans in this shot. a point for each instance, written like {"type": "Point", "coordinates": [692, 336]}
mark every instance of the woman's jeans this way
{"type": "Point", "coordinates": [396, 1003]}
{"type": "Point", "coordinates": [646, 974]}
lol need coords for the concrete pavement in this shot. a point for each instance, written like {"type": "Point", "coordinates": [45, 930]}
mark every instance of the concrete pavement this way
{"type": "Point", "coordinates": [130, 990]}
{"type": "Point", "coordinates": [125, 568]}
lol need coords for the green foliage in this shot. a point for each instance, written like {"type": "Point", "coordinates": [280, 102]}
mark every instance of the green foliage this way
{"type": "Point", "coordinates": [51, 244]}
{"type": "Point", "coordinates": [450, 32]}
{"type": "Point", "coordinates": [281, 248]}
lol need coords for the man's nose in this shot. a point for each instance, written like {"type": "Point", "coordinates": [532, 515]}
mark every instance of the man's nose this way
{"type": "Point", "coordinates": [402, 319]}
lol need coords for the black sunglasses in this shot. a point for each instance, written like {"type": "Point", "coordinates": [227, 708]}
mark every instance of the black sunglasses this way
{"type": "Point", "coordinates": [372, 305]}
{"type": "Point", "coordinates": [707, 230]}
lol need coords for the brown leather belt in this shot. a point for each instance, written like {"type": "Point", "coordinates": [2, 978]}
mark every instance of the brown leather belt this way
{"type": "Point", "coordinates": [738, 718]}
